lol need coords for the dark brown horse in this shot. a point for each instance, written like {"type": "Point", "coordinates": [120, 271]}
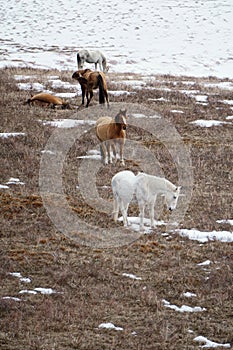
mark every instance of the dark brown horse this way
{"type": "Point", "coordinates": [111, 131]}
{"type": "Point", "coordinates": [89, 81]}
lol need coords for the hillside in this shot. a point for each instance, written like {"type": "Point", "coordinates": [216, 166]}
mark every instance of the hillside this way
{"type": "Point", "coordinates": [138, 282]}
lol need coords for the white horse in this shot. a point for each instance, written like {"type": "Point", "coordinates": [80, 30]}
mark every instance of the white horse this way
{"type": "Point", "coordinates": [95, 57]}
{"type": "Point", "coordinates": [146, 187]}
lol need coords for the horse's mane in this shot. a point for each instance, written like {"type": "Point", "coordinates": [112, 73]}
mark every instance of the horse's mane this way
{"type": "Point", "coordinates": [120, 113]}
{"type": "Point", "coordinates": [170, 185]}
{"type": "Point", "coordinates": [86, 70]}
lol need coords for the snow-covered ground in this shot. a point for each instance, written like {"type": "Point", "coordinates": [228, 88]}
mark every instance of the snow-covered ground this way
{"type": "Point", "coordinates": [191, 37]}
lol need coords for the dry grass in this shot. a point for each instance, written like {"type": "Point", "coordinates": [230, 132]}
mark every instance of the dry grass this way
{"type": "Point", "coordinates": [91, 287]}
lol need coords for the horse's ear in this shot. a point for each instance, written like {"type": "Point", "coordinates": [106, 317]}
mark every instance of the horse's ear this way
{"type": "Point", "coordinates": [178, 188]}
{"type": "Point", "coordinates": [75, 75]}
{"type": "Point", "coordinates": [123, 111]}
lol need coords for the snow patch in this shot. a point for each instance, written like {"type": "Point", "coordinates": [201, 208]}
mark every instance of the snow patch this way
{"type": "Point", "coordinates": [209, 343]}
{"type": "Point", "coordinates": [110, 326]}
{"type": "Point", "coordinates": [208, 123]}
{"type": "Point", "coordinates": [183, 308]}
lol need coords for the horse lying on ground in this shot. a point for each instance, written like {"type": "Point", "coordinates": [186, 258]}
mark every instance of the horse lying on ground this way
{"type": "Point", "coordinates": [111, 131]}
{"type": "Point", "coordinates": [49, 100]}
{"type": "Point", "coordinates": [90, 81]}
{"type": "Point", "coordinates": [95, 57]}
{"type": "Point", "coordinates": [146, 187]}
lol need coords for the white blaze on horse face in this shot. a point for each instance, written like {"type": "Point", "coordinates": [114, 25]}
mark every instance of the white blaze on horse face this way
{"type": "Point", "coordinates": [124, 122]}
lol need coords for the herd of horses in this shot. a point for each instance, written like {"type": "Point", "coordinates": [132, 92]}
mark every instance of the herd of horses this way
{"type": "Point", "coordinates": [111, 132]}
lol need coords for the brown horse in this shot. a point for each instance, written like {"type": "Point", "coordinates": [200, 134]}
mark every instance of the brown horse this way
{"type": "Point", "coordinates": [89, 81]}
{"type": "Point", "coordinates": [111, 131]}
{"type": "Point", "coordinates": [49, 100]}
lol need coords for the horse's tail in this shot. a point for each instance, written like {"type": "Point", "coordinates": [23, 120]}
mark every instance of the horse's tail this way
{"type": "Point", "coordinates": [101, 89]}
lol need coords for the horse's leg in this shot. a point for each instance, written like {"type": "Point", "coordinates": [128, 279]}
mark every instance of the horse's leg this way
{"type": "Point", "coordinates": [104, 64]}
{"type": "Point", "coordinates": [83, 93]}
{"type": "Point", "coordinates": [106, 96]}
{"type": "Point", "coordinates": [115, 209]}
{"type": "Point", "coordinates": [79, 61]}
{"type": "Point", "coordinates": [104, 153]}
{"type": "Point", "coordinates": [109, 144]}
{"type": "Point", "coordinates": [95, 65]}
{"type": "Point", "coordinates": [124, 213]}
{"type": "Point", "coordinates": [141, 205]}
{"type": "Point", "coordinates": [152, 220]}
{"type": "Point", "coordinates": [122, 141]}
{"type": "Point", "coordinates": [114, 150]}
{"type": "Point", "coordinates": [100, 65]}
{"type": "Point", "coordinates": [89, 98]}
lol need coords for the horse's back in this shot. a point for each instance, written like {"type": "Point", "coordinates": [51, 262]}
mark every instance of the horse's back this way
{"type": "Point", "coordinates": [91, 56]}
{"type": "Point", "coordinates": [103, 121]}
{"type": "Point", "coordinates": [95, 54]}
{"type": "Point", "coordinates": [102, 125]}
{"type": "Point", "coordinates": [92, 77]}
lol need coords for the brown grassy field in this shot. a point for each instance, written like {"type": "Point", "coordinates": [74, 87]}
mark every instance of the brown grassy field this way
{"type": "Point", "coordinates": [90, 282]}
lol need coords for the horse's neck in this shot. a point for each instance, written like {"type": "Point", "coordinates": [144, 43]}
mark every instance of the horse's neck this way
{"type": "Point", "coordinates": [115, 130]}
{"type": "Point", "coordinates": [170, 187]}
{"type": "Point", "coordinates": [159, 185]}
{"type": "Point", "coordinates": [85, 72]}
{"type": "Point", "coordinates": [119, 129]}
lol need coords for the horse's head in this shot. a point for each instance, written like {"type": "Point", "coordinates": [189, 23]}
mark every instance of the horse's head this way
{"type": "Point", "coordinates": [171, 198]}
{"type": "Point", "coordinates": [76, 75]}
{"type": "Point", "coordinates": [66, 105]}
{"type": "Point", "coordinates": [121, 118]}
{"type": "Point", "coordinates": [105, 68]}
